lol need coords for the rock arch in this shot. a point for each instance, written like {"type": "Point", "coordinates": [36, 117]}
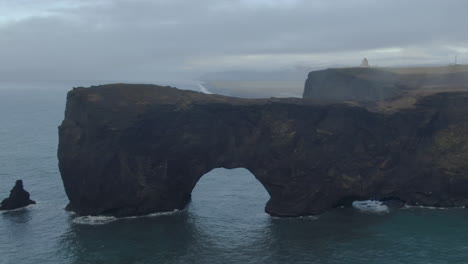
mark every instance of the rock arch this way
{"type": "Point", "coordinates": [229, 190]}
{"type": "Point", "coordinates": [136, 149]}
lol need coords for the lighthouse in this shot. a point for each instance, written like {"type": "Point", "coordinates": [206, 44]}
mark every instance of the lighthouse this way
{"type": "Point", "coordinates": [365, 63]}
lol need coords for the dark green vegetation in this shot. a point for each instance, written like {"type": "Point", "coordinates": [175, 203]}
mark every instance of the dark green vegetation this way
{"type": "Point", "coordinates": [135, 149]}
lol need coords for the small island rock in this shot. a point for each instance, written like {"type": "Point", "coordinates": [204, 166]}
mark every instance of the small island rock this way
{"type": "Point", "coordinates": [18, 198]}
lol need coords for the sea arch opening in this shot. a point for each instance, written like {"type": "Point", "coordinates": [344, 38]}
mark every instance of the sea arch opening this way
{"type": "Point", "coordinates": [228, 208]}
{"type": "Point", "coordinates": [228, 193]}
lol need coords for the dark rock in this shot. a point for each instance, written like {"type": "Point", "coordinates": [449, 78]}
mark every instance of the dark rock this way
{"type": "Point", "coordinates": [136, 149]}
{"type": "Point", "coordinates": [393, 203]}
{"type": "Point", "coordinates": [351, 84]}
{"type": "Point", "coordinates": [18, 198]}
{"type": "Point", "coordinates": [375, 84]}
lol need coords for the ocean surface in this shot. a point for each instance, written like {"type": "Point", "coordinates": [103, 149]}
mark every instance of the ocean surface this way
{"type": "Point", "coordinates": [224, 223]}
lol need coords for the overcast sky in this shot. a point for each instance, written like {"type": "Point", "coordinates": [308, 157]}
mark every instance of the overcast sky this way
{"type": "Point", "coordinates": [182, 39]}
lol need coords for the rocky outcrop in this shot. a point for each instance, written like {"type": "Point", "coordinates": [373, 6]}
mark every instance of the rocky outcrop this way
{"type": "Point", "coordinates": [136, 149]}
{"type": "Point", "coordinates": [351, 84]}
{"type": "Point", "coordinates": [376, 84]}
{"type": "Point", "coordinates": [18, 198]}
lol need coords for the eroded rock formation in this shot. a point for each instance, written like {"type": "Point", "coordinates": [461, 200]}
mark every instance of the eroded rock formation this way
{"type": "Point", "coordinates": [136, 149]}
{"type": "Point", "coordinates": [18, 198]}
{"type": "Point", "coordinates": [374, 84]}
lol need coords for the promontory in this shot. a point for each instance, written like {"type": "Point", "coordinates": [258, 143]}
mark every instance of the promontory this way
{"type": "Point", "coordinates": [137, 149]}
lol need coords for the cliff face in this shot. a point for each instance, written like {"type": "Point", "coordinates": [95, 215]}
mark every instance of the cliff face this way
{"type": "Point", "coordinates": [136, 149]}
{"type": "Point", "coordinates": [375, 84]}
{"type": "Point", "coordinates": [357, 84]}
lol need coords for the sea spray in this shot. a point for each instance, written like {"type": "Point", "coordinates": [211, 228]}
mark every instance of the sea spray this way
{"type": "Point", "coordinates": [102, 219]}
{"type": "Point", "coordinates": [370, 206]}
{"type": "Point", "coordinates": [203, 88]}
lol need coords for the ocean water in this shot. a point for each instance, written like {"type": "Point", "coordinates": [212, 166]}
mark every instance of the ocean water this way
{"type": "Point", "coordinates": [224, 223]}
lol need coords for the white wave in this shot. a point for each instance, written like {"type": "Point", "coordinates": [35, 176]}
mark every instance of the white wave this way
{"type": "Point", "coordinates": [101, 219]}
{"type": "Point", "coordinates": [305, 217]}
{"type": "Point", "coordinates": [370, 206]}
{"type": "Point", "coordinates": [153, 214]}
{"type": "Point", "coordinates": [203, 88]}
{"type": "Point", "coordinates": [431, 207]}
{"type": "Point", "coordinates": [19, 209]}
{"type": "Point", "coordinates": [93, 220]}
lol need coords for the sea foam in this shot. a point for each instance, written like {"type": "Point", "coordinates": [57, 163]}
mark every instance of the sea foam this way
{"type": "Point", "coordinates": [370, 206]}
{"type": "Point", "coordinates": [431, 207]}
{"type": "Point", "coordinates": [30, 206]}
{"type": "Point", "coordinates": [305, 217]}
{"type": "Point", "coordinates": [102, 219]}
{"type": "Point", "coordinates": [93, 220]}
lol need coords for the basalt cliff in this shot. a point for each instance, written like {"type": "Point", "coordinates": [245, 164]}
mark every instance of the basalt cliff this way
{"type": "Point", "coordinates": [136, 149]}
{"type": "Point", "coordinates": [376, 84]}
{"type": "Point", "coordinates": [18, 198]}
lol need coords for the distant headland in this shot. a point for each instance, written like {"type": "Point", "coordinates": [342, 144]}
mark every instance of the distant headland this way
{"type": "Point", "coordinates": [367, 83]}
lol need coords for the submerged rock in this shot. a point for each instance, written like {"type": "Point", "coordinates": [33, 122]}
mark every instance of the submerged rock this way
{"type": "Point", "coordinates": [18, 198]}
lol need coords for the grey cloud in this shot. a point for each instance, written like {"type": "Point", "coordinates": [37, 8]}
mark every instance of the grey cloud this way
{"type": "Point", "coordinates": [146, 39]}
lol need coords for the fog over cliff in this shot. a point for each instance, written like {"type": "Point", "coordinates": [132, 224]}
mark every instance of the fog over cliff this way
{"type": "Point", "coordinates": [151, 40]}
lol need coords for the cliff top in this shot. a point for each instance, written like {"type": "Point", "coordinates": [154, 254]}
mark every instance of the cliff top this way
{"type": "Point", "coordinates": [384, 88]}
{"type": "Point", "coordinates": [141, 96]}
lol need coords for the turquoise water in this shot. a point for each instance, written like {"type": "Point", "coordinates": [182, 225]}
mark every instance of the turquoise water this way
{"type": "Point", "coordinates": [225, 222]}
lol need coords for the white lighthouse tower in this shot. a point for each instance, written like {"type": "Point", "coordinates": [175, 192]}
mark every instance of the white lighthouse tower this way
{"type": "Point", "coordinates": [365, 63]}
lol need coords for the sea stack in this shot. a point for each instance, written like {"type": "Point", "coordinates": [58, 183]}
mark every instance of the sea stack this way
{"type": "Point", "coordinates": [18, 198]}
